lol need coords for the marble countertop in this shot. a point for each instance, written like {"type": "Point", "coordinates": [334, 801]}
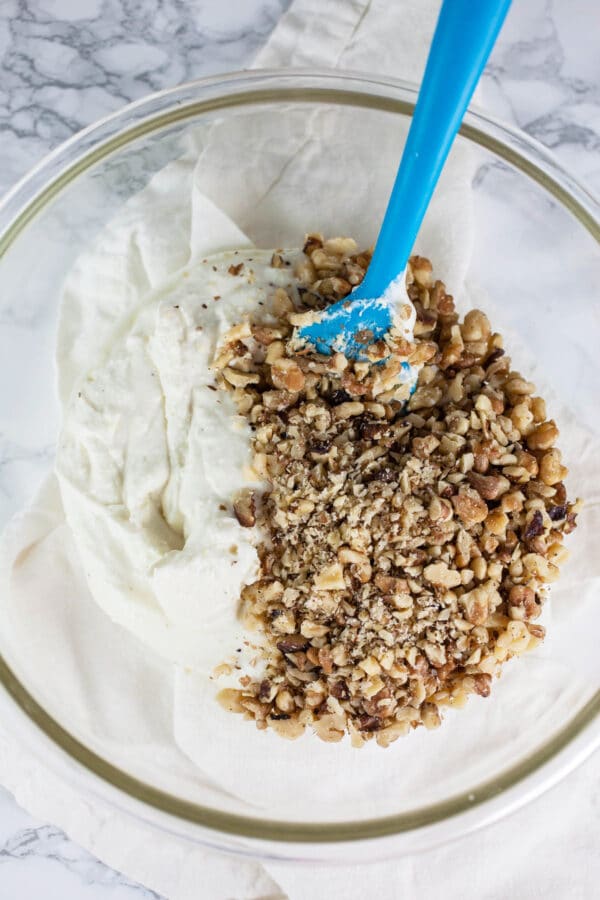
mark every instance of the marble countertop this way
{"type": "Point", "coordinates": [65, 63]}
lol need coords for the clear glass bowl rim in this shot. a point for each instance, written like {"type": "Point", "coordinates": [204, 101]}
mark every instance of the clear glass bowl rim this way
{"type": "Point", "coordinates": [517, 784]}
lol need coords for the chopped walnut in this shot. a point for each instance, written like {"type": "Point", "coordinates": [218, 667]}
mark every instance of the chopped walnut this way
{"type": "Point", "coordinates": [470, 507]}
{"type": "Point", "coordinates": [406, 547]}
{"type": "Point", "coordinates": [244, 508]}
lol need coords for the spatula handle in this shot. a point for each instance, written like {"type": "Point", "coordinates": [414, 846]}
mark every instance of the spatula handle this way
{"type": "Point", "coordinates": [464, 36]}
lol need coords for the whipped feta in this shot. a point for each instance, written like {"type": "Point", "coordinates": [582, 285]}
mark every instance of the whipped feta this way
{"type": "Point", "coordinates": [150, 457]}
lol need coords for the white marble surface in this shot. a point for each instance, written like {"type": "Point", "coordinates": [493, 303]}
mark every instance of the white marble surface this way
{"type": "Point", "coordinates": [64, 63]}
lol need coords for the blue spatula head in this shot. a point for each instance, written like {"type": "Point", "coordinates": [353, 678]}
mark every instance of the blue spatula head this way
{"type": "Point", "coordinates": [464, 36]}
{"type": "Point", "coordinates": [351, 325]}
{"type": "Point", "coordinates": [360, 319]}
{"type": "Point", "coordinates": [348, 327]}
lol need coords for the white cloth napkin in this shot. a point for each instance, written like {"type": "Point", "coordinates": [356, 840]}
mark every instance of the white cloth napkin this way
{"type": "Point", "coordinates": [375, 36]}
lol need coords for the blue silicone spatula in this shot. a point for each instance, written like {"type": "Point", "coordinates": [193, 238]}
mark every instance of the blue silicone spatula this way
{"type": "Point", "coordinates": [464, 36]}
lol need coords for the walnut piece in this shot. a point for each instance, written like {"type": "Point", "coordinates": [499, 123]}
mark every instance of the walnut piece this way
{"type": "Point", "coordinates": [405, 548]}
{"type": "Point", "coordinates": [244, 507]}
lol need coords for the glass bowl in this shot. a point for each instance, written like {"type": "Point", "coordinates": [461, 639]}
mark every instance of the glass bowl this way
{"type": "Point", "coordinates": [535, 256]}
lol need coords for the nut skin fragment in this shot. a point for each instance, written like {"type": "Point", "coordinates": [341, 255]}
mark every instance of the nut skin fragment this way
{"type": "Point", "coordinates": [430, 716]}
{"type": "Point", "coordinates": [551, 469]}
{"type": "Point", "coordinates": [278, 400]}
{"type": "Point", "coordinates": [244, 507]}
{"type": "Point", "coordinates": [483, 685]}
{"type": "Point", "coordinates": [557, 513]}
{"type": "Point", "coordinates": [477, 606]}
{"type": "Point", "coordinates": [490, 487]}
{"type": "Point", "coordinates": [406, 550]}
{"type": "Point", "coordinates": [265, 335]}
{"type": "Point", "coordinates": [283, 621]}
{"type": "Point", "coordinates": [293, 643]}
{"type": "Point", "coordinates": [353, 386]}
{"type": "Point", "coordinates": [287, 375]}
{"type": "Point", "coordinates": [325, 658]}
{"type": "Point", "coordinates": [470, 507]}
{"type": "Point", "coordinates": [369, 723]}
{"type": "Point", "coordinates": [523, 596]}
{"type": "Point", "coordinates": [391, 585]}
{"type": "Point", "coordinates": [535, 526]}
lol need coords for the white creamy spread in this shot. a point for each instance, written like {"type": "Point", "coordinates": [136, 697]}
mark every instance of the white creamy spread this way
{"type": "Point", "coordinates": [404, 313]}
{"type": "Point", "coordinates": [150, 457]}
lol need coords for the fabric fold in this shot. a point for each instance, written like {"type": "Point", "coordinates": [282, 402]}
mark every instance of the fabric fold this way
{"type": "Point", "coordinates": [165, 227]}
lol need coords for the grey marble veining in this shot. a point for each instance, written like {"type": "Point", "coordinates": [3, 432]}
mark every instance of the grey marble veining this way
{"type": "Point", "coordinates": [65, 63]}
{"type": "Point", "coordinates": [544, 76]}
{"type": "Point", "coordinates": [39, 861]}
